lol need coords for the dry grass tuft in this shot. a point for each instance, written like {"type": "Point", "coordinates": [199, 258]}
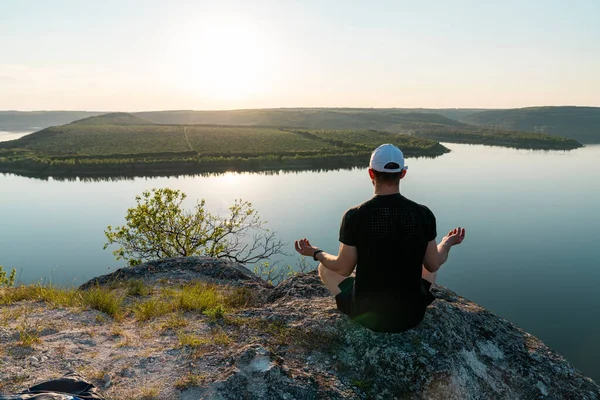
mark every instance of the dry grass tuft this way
{"type": "Point", "coordinates": [137, 287]}
{"type": "Point", "coordinates": [216, 337]}
{"type": "Point", "coordinates": [152, 308]}
{"type": "Point", "coordinates": [189, 380]}
{"type": "Point", "coordinates": [149, 393]}
{"type": "Point", "coordinates": [200, 297]}
{"type": "Point", "coordinates": [28, 336]}
{"type": "Point", "coordinates": [174, 322]}
{"type": "Point", "coordinates": [109, 302]}
{"type": "Point", "coordinates": [54, 296]}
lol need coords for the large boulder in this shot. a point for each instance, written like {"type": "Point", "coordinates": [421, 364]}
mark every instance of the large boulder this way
{"type": "Point", "coordinates": [459, 351]}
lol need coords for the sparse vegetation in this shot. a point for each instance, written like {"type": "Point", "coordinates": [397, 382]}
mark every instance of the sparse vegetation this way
{"type": "Point", "coordinates": [273, 274]}
{"type": "Point", "coordinates": [108, 301]}
{"type": "Point", "coordinates": [149, 393]}
{"type": "Point", "coordinates": [152, 308]}
{"type": "Point", "coordinates": [7, 281]}
{"type": "Point", "coordinates": [175, 322]}
{"type": "Point", "coordinates": [214, 301]}
{"type": "Point", "coordinates": [191, 340]}
{"type": "Point", "coordinates": [199, 297]}
{"type": "Point", "coordinates": [60, 297]}
{"type": "Point", "coordinates": [240, 297]}
{"type": "Point", "coordinates": [362, 384]}
{"type": "Point", "coordinates": [188, 381]}
{"type": "Point", "coordinates": [190, 321]}
{"type": "Point", "coordinates": [28, 336]}
{"type": "Point", "coordinates": [137, 287]}
{"type": "Point", "coordinates": [54, 296]}
{"type": "Point", "coordinates": [216, 337]}
{"type": "Point", "coordinates": [215, 313]}
{"type": "Point", "coordinates": [10, 314]}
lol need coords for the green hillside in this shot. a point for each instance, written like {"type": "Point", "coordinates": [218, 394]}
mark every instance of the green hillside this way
{"type": "Point", "coordinates": [101, 143]}
{"type": "Point", "coordinates": [31, 120]}
{"type": "Point", "coordinates": [262, 139]}
{"type": "Point", "coordinates": [416, 122]}
{"type": "Point", "coordinates": [497, 137]}
{"type": "Point", "coordinates": [390, 120]}
{"type": "Point", "coordinates": [579, 123]}
{"type": "Point", "coordinates": [118, 118]}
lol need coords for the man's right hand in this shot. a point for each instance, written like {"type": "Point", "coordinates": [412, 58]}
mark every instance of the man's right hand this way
{"type": "Point", "coordinates": [454, 237]}
{"type": "Point", "coordinates": [304, 247]}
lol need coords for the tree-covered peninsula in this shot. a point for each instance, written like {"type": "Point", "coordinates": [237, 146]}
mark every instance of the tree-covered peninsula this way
{"type": "Point", "coordinates": [126, 144]}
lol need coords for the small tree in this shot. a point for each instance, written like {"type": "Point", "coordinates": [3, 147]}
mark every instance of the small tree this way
{"type": "Point", "coordinates": [158, 227]}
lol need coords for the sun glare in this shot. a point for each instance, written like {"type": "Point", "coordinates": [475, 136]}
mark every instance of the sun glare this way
{"type": "Point", "coordinates": [224, 58]}
{"type": "Point", "coordinates": [230, 177]}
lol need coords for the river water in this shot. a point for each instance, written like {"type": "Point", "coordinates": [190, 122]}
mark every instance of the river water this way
{"type": "Point", "coordinates": [5, 136]}
{"type": "Point", "coordinates": [532, 224]}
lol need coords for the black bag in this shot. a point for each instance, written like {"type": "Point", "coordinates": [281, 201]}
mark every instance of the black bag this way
{"type": "Point", "coordinates": [70, 387]}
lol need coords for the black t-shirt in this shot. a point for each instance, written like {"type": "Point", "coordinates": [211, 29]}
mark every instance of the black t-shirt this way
{"type": "Point", "coordinates": [391, 234]}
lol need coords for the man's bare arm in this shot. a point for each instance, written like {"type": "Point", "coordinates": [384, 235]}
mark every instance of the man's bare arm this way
{"type": "Point", "coordinates": [436, 255]}
{"type": "Point", "coordinates": [342, 264]}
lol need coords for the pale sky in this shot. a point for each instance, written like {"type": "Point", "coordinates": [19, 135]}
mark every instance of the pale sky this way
{"type": "Point", "coordinates": [126, 55]}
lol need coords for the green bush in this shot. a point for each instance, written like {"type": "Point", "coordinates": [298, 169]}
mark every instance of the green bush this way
{"type": "Point", "coordinates": [159, 227]}
{"type": "Point", "coordinates": [7, 282]}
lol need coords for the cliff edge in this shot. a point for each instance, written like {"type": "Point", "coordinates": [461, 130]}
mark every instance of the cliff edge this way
{"type": "Point", "coordinates": [284, 342]}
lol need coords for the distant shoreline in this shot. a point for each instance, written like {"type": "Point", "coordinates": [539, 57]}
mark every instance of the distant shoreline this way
{"type": "Point", "coordinates": [568, 144]}
{"type": "Point", "coordinates": [161, 168]}
{"type": "Point", "coordinates": [174, 168]}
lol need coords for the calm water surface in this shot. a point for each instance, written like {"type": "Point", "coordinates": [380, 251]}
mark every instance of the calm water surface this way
{"type": "Point", "coordinates": [532, 224]}
{"type": "Point", "coordinates": [5, 136]}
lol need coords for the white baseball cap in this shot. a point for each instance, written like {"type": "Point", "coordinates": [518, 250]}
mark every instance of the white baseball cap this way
{"type": "Point", "coordinates": [385, 154]}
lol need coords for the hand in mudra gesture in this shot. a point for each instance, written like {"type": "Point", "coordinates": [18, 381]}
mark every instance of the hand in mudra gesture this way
{"type": "Point", "coordinates": [304, 247]}
{"type": "Point", "coordinates": [455, 236]}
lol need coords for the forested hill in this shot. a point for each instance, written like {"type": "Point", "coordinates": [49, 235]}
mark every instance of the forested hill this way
{"type": "Point", "coordinates": [579, 123]}
{"type": "Point", "coordinates": [389, 120]}
{"type": "Point", "coordinates": [333, 117]}
{"type": "Point", "coordinates": [120, 144]}
{"type": "Point", "coordinates": [397, 121]}
{"type": "Point", "coordinates": [118, 118]}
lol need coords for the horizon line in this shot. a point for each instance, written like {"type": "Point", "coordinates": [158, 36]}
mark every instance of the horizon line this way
{"type": "Point", "coordinates": [305, 108]}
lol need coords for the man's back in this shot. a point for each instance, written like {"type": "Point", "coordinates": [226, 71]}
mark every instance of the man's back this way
{"type": "Point", "coordinates": [391, 235]}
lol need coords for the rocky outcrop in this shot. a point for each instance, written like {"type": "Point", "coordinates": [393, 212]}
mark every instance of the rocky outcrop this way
{"type": "Point", "coordinates": [296, 345]}
{"type": "Point", "coordinates": [459, 351]}
{"type": "Point", "coordinates": [182, 270]}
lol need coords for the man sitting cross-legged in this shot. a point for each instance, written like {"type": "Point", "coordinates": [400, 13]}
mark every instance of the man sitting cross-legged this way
{"type": "Point", "coordinates": [390, 240]}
